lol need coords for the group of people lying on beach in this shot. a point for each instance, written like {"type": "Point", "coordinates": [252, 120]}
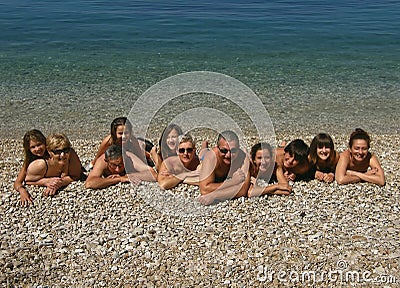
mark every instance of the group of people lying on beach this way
{"type": "Point", "coordinates": [222, 172]}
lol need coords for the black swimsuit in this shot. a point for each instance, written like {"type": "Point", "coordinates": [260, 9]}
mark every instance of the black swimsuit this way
{"type": "Point", "coordinates": [47, 167]}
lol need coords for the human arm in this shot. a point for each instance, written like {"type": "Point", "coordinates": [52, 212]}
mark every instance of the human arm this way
{"type": "Point", "coordinates": [35, 175]}
{"type": "Point", "coordinates": [374, 175]}
{"type": "Point", "coordinates": [207, 182]}
{"type": "Point", "coordinates": [24, 197]}
{"type": "Point", "coordinates": [282, 187]}
{"type": "Point", "coordinates": [273, 189]}
{"type": "Point", "coordinates": [232, 188]}
{"type": "Point", "coordinates": [156, 158]}
{"type": "Point", "coordinates": [139, 171]}
{"type": "Point", "coordinates": [102, 148]}
{"type": "Point", "coordinates": [96, 180]}
{"type": "Point", "coordinates": [74, 166]}
{"type": "Point", "coordinates": [326, 177]}
{"type": "Point", "coordinates": [342, 174]}
{"type": "Point", "coordinates": [167, 179]}
{"type": "Point", "coordinates": [191, 177]}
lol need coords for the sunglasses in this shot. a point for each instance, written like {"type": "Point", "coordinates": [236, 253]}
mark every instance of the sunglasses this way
{"type": "Point", "coordinates": [225, 151]}
{"type": "Point", "coordinates": [182, 150]}
{"type": "Point", "coordinates": [59, 151]}
{"type": "Point", "coordinates": [114, 166]}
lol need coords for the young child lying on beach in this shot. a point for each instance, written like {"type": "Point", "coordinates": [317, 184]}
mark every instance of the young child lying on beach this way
{"type": "Point", "coordinates": [323, 157]}
{"type": "Point", "coordinates": [262, 167]}
{"type": "Point", "coordinates": [166, 145]}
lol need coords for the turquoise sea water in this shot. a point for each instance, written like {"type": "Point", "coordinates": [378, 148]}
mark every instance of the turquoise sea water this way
{"type": "Point", "coordinates": [316, 65]}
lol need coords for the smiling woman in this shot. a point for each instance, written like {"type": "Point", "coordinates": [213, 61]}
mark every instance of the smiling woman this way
{"type": "Point", "coordinates": [357, 164]}
{"type": "Point", "coordinates": [56, 170]}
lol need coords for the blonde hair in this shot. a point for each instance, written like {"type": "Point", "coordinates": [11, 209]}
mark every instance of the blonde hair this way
{"type": "Point", "coordinates": [186, 138]}
{"type": "Point", "coordinates": [57, 140]}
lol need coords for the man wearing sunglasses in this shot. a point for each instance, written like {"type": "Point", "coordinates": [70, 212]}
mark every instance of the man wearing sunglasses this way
{"type": "Point", "coordinates": [109, 169]}
{"type": "Point", "coordinates": [225, 172]}
{"type": "Point", "coordinates": [181, 168]}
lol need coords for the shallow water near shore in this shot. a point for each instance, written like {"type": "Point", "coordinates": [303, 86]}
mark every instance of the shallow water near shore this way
{"type": "Point", "coordinates": [316, 65]}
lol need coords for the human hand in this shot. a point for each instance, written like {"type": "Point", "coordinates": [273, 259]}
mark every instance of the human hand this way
{"type": "Point", "coordinates": [283, 189]}
{"type": "Point", "coordinates": [372, 171]}
{"type": "Point", "coordinates": [25, 199]}
{"type": "Point", "coordinates": [165, 173]}
{"type": "Point", "coordinates": [238, 176]}
{"type": "Point", "coordinates": [54, 183]}
{"type": "Point", "coordinates": [319, 175]}
{"type": "Point", "coordinates": [290, 176]}
{"type": "Point", "coordinates": [207, 199]}
{"type": "Point", "coordinates": [134, 179]}
{"type": "Point", "coordinates": [328, 177]}
{"type": "Point", "coordinates": [49, 191]}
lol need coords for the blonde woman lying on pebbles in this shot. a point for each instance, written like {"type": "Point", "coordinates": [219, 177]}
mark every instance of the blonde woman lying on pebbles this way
{"type": "Point", "coordinates": [357, 164]}
{"type": "Point", "coordinates": [54, 171]}
{"type": "Point", "coordinates": [34, 143]}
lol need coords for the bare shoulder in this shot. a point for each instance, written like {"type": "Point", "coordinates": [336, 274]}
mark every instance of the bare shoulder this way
{"type": "Point", "coordinates": [280, 152]}
{"type": "Point", "coordinates": [105, 143]}
{"type": "Point", "coordinates": [36, 168]}
{"type": "Point", "coordinates": [344, 155]}
{"type": "Point", "coordinates": [37, 165]}
{"type": "Point", "coordinates": [100, 163]}
{"type": "Point", "coordinates": [373, 159]}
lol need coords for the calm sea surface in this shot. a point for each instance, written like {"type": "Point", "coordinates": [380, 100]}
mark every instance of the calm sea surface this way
{"type": "Point", "coordinates": [316, 65]}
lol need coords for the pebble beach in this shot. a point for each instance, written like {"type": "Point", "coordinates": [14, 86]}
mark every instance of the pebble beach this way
{"type": "Point", "coordinates": [322, 235]}
{"type": "Point", "coordinates": [315, 66]}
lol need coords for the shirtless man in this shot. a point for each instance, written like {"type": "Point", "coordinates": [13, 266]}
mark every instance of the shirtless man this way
{"type": "Point", "coordinates": [291, 164]}
{"type": "Point", "coordinates": [53, 172]}
{"type": "Point", "coordinates": [181, 168]}
{"type": "Point", "coordinates": [225, 170]}
{"type": "Point", "coordinates": [109, 169]}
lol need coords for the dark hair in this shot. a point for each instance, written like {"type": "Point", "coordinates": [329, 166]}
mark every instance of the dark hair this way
{"type": "Point", "coordinates": [164, 149]}
{"type": "Point", "coordinates": [113, 152]}
{"type": "Point", "coordinates": [34, 135]}
{"type": "Point", "coordinates": [320, 141]}
{"type": "Point", "coordinates": [228, 136]}
{"type": "Point", "coordinates": [359, 134]}
{"type": "Point", "coordinates": [298, 149]}
{"type": "Point", "coordinates": [260, 146]}
{"type": "Point", "coordinates": [114, 125]}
